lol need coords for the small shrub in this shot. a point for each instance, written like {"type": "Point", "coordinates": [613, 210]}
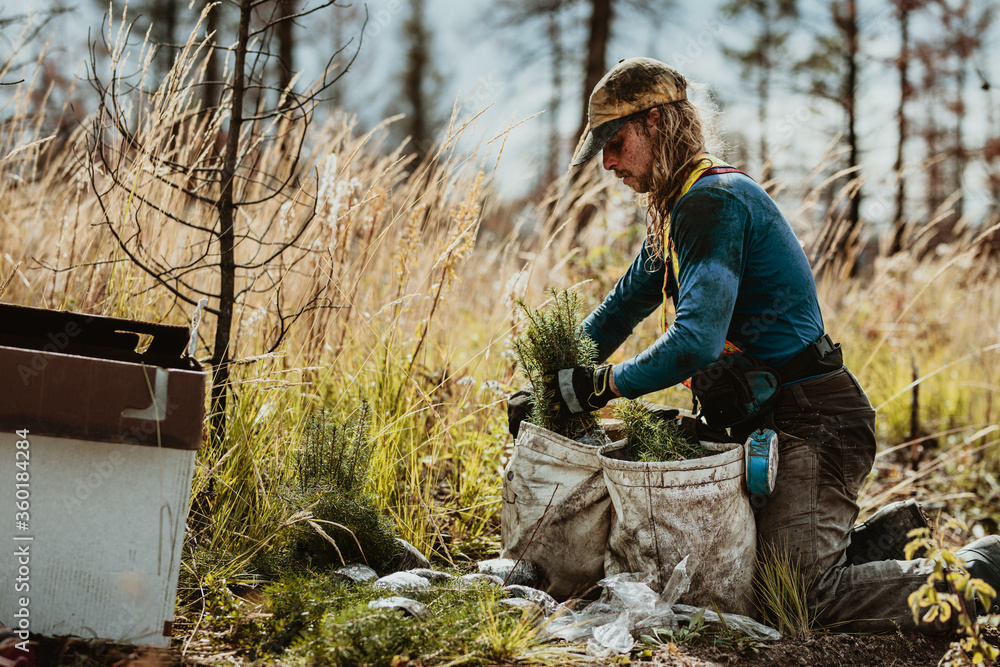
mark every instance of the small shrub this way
{"type": "Point", "coordinates": [697, 632]}
{"type": "Point", "coordinates": [691, 634]}
{"type": "Point", "coordinates": [551, 341]}
{"type": "Point", "coordinates": [653, 439]}
{"type": "Point", "coordinates": [335, 520]}
{"type": "Point", "coordinates": [951, 591]}
{"type": "Point", "coordinates": [335, 454]}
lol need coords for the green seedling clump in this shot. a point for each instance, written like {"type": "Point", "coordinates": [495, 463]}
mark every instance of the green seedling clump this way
{"type": "Point", "coordinates": [336, 520]}
{"type": "Point", "coordinates": [653, 439]}
{"type": "Point", "coordinates": [551, 341]}
{"type": "Point", "coordinates": [318, 621]}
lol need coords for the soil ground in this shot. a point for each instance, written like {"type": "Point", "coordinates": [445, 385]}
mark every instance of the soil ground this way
{"type": "Point", "coordinates": [818, 650]}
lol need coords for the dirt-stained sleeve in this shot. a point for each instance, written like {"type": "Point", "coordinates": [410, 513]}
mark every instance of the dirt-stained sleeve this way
{"type": "Point", "coordinates": [709, 229]}
{"type": "Point", "coordinates": [637, 294]}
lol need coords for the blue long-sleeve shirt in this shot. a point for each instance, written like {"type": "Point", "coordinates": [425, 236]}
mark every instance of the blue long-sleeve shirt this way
{"type": "Point", "coordinates": [743, 277]}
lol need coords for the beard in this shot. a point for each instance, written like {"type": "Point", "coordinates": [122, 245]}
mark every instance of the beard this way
{"type": "Point", "coordinates": [644, 184]}
{"type": "Point", "coordinates": [641, 184]}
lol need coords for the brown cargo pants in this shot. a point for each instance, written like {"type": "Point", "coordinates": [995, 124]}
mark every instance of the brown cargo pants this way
{"type": "Point", "coordinates": [826, 448]}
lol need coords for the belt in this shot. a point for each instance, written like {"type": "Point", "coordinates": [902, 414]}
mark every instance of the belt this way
{"type": "Point", "coordinates": [821, 356]}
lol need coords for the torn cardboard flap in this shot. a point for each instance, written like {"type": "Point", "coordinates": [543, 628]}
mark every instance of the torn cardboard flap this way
{"type": "Point", "coordinates": [82, 376]}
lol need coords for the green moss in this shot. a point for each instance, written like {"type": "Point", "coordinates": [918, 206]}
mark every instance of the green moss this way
{"type": "Point", "coordinates": [325, 622]}
{"type": "Point", "coordinates": [653, 439]}
{"type": "Point", "coordinates": [298, 602]}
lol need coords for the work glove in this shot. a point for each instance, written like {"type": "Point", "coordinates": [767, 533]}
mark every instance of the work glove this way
{"type": "Point", "coordinates": [581, 389]}
{"type": "Point", "coordinates": [694, 428]}
{"type": "Point", "coordinates": [664, 414]}
{"type": "Point", "coordinates": [518, 407]}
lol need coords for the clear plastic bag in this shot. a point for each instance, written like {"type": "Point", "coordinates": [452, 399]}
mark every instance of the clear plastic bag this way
{"type": "Point", "coordinates": [744, 624]}
{"type": "Point", "coordinates": [628, 606]}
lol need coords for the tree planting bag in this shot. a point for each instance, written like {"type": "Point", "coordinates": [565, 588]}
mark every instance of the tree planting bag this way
{"type": "Point", "coordinates": [556, 512]}
{"type": "Point", "coordinates": [664, 511]}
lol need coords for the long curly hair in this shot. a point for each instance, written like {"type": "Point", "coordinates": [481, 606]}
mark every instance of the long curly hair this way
{"type": "Point", "coordinates": [677, 140]}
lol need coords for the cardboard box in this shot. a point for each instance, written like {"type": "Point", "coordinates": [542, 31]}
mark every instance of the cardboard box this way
{"type": "Point", "coordinates": [98, 437]}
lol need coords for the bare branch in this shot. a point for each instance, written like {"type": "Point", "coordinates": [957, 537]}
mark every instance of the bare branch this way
{"type": "Point", "coordinates": [134, 259]}
{"type": "Point", "coordinates": [56, 269]}
{"type": "Point", "coordinates": [292, 17]}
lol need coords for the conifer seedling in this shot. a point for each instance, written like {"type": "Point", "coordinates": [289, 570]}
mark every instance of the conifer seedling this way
{"type": "Point", "coordinates": [653, 439]}
{"type": "Point", "coordinates": [551, 341]}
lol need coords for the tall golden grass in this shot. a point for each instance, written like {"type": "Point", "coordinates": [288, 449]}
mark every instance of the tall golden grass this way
{"type": "Point", "coordinates": [423, 265]}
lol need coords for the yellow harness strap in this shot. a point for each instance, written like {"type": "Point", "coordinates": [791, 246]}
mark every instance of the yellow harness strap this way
{"type": "Point", "coordinates": [706, 161]}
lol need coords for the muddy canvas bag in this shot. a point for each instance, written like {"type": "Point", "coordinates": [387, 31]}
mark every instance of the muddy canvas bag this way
{"type": "Point", "coordinates": [556, 512]}
{"type": "Point", "coordinates": [664, 511]}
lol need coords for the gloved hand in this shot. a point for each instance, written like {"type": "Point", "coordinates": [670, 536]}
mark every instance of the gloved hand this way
{"type": "Point", "coordinates": [581, 389]}
{"type": "Point", "coordinates": [665, 414]}
{"type": "Point", "coordinates": [518, 407]}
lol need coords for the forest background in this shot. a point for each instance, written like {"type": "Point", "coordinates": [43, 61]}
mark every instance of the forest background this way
{"type": "Point", "coordinates": [360, 193]}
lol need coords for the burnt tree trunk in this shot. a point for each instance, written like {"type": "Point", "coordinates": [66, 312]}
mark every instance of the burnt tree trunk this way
{"type": "Point", "coordinates": [597, 48]}
{"type": "Point", "coordinates": [902, 67]}
{"type": "Point", "coordinates": [555, 39]}
{"type": "Point", "coordinates": [961, 154]}
{"type": "Point", "coordinates": [284, 33]}
{"type": "Point", "coordinates": [226, 233]}
{"type": "Point", "coordinates": [850, 106]}
{"type": "Point", "coordinates": [763, 92]}
{"type": "Point", "coordinates": [595, 68]}
{"type": "Point", "coordinates": [210, 94]}
{"type": "Point", "coordinates": [416, 78]}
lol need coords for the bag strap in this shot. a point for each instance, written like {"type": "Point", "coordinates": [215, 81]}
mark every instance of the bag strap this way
{"type": "Point", "coordinates": [707, 165]}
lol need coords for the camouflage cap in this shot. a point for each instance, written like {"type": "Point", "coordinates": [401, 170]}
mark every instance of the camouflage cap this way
{"type": "Point", "coordinates": [631, 86]}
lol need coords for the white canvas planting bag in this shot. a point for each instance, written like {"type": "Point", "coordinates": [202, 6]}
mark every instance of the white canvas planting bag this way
{"type": "Point", "coordinates": [567, 540]}
{"type": "Point", "coordinates": [665, 511]}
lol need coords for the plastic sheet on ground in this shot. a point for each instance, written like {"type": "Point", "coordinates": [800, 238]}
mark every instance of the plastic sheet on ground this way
{"type": "Point", "coordinates": [747, 626]}
{"type": "Point", "coordinates": [628, 606]}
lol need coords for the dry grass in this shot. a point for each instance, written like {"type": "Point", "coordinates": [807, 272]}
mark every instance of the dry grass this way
{"type": "Point", "coordinates": [782, 592]}
{"type": "Point", "coordinates": [422, 295]}
{"type": "Point", "coordinates": [424, 267]}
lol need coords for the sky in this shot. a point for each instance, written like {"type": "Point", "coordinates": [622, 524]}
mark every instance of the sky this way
{"type": "Point", "coordinates": [509, 69]}
{"type": "Point", "coordinates": [484, 63]}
